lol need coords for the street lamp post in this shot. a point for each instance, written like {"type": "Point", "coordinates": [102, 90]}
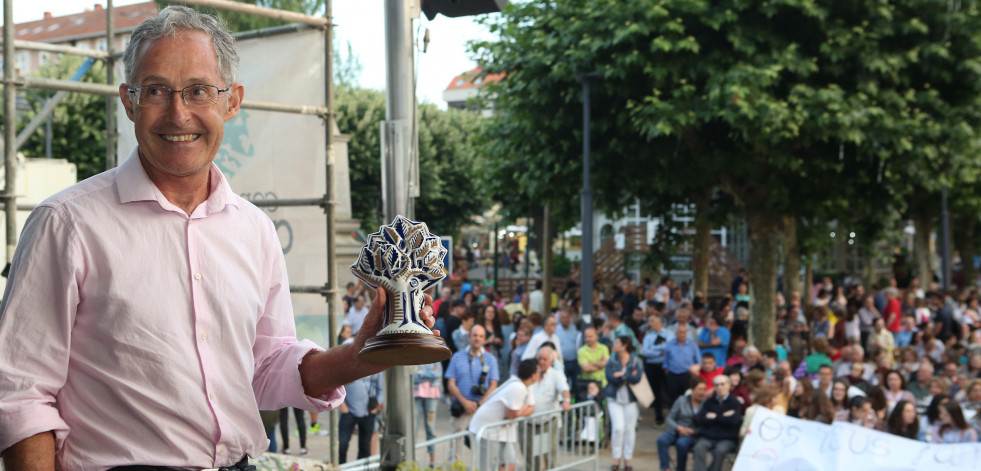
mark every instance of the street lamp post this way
{"type": "Point", "coordinates": [586, 199]}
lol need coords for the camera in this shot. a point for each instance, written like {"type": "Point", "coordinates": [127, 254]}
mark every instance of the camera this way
{"type": "Point", "coordinates": [479, 389]}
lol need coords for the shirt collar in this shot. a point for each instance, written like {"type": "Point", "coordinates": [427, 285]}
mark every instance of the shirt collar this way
{"type": "Point", "coordinates": [133, 184]}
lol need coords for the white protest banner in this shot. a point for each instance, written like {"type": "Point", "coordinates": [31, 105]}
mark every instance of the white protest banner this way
{"type": "Point", "coordinates": [777, 442]}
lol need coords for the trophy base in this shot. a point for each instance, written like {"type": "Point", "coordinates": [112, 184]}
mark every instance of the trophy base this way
{"type": "Point", "coordinates": [405, 349]}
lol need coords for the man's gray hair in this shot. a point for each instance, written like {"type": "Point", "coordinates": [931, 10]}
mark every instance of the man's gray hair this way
{"type": "Point", "coordinates": [176, 19]}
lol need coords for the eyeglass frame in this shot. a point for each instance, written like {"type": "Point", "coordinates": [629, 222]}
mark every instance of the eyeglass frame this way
{"type": "Point", "coordinates": [170, 95]}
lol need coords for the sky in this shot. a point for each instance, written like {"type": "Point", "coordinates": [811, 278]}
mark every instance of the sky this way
{"type": "Point", "coordinates": [360, 23]}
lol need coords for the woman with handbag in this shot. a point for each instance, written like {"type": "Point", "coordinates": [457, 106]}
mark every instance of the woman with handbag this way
{"type": "Point", "coordinates": [622, 370]}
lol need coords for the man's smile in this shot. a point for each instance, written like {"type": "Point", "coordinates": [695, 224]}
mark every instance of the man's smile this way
{"type": "Point", "coordinates": [180, 137]}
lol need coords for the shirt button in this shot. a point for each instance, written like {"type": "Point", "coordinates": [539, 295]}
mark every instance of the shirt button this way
{"type": "Point", "coordinates": [211, 396]}
{"type": "Point", "coordinates": [204, 336]}
{"type": "Point", "coordinates": [221, 448]}
{"type": "Point", "coordinates": [197, 276]}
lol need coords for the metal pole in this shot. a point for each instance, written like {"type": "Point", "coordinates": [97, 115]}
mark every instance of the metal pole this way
{"type": "Point", "coordinates": [528, 253]}
{"type": "Point", "coordinates": [47, 135]}
{"type": "Point", "coordinates": [332, 314]}
{"type": "Point", "coordinates": [282, 15]}
{"type": "Point", "coordinates": [586, 197]}
{"type": "Point", "coordinates": [9, 130]}
{"type": "Point", "coordinates": [945, 243]}
{"type": "Point", "coordinates": [110, 80]}
{"type": "Point", "coordinates": [496, 257]}
{"type": "Point", "coordinates": [398, 441]}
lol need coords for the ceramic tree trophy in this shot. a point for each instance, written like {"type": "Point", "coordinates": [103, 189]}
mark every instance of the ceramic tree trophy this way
{"type": "Point", "coordinates": [405, 259]}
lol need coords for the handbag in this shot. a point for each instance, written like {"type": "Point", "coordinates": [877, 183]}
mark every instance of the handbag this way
{"type": "Point", "coordinates": [642, 391]}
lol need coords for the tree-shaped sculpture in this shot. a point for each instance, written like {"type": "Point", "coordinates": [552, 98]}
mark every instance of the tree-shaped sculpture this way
{"type": "Point", "coordinates": [405, 259]}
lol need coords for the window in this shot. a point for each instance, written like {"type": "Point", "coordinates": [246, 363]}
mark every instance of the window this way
{"type": "Point", "coordinates": [83, 45]}
{"type": "Point", "coordinates": [22, 62]}
{"type": "Point", "coordinates": [101, 44]}
{"type": "Point", "coordinates": [45, 57]}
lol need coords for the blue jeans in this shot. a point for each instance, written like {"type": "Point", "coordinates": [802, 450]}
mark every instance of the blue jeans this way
{"type": "Point", "coordinates": [426, 415]}
{"type": "Point", "coordinates": [682, 445]}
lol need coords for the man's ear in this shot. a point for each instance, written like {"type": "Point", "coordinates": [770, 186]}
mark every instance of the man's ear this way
{"type": "Point", "coordinates": [124, 96]}
{"type": "Point", "coordinates": [236, 93]}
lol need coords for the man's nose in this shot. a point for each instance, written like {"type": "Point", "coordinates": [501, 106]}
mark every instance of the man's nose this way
{"type": "Point", "coordinates": [177, 111]}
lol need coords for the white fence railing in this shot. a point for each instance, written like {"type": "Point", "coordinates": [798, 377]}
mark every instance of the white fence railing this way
{"type": "Point", "coordinates": [548, 440]}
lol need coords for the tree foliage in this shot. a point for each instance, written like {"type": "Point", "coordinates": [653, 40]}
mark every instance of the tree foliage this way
{"type": "Point", "coordinates": [791, 107]}
{"type": "Point", "coordinates": [451, 191]}
{"type": "Point", "coordinates": [78, 123]}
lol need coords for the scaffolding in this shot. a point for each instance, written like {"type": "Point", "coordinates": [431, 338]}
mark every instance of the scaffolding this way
{"type": "Point", "coordinates": [326, 112]}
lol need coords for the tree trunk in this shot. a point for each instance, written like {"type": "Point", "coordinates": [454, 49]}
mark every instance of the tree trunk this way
{"type": "Point", "coordinates": [764, 236]}
{"type": "Point", "coordinates": [547, 257]}
{"type": "Point", "coordinates": [921, 244]}
{"type": "Point", "coordinates": [964, 241]}
{"type": "Point", "coordinates": [791, 258]}
{"type": "Point", "coordinates": [703, 242]}
{"type": "Point", "coordinates": [868, 265]}
{"type": "Point", "coordinates": [808, 282]}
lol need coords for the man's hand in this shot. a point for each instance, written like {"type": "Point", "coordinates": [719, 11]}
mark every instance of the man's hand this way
{"type": "Point", "coordinates": [470, 406]}
{"type": "Point", "coordinates": [710, 415]}
{"type": "Point", "coordinates": [685, 431]}
{"type": "Point", "coordinates": [566, 405]}
{"type": "Point", "coordinates": [322, 372]}
{"type": "Point", "coordinates": [344, 409]}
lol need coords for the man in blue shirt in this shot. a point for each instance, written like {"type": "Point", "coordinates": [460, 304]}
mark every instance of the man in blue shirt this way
{"type": "Point", "coordinates": [471, 378]}
{"type": "Point", "coordinates": [359, 409]}
{"type": "Point", "coordinates": [569, 343]}
{"type": "Point", "coordinates": [680, 354]}
{"type": "Point", "coordinates": [714, 339]}
{"type": "Point", "coordinates": [655, 341]}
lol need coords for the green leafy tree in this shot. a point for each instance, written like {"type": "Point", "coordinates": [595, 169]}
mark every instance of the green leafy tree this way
{"type": "Point", "coordinates": [451, 192]}
{"type": "Point", "coordinates": [78, 123]}
{"type": "Point", "coordinates": [771, 102]}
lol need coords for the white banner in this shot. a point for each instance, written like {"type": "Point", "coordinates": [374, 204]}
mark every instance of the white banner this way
{"type": "Point", "coordinates": [777, 442]}
{"type": "Point", "coordinates": [271, 155]}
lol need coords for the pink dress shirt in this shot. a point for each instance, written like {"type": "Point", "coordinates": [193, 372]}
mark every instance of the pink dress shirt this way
{"type": "Point", "coordinates": [142, 335]}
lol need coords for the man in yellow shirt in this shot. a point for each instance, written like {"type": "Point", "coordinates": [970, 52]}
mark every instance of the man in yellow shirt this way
{"type": "Point", "coordinates": [592, 358]}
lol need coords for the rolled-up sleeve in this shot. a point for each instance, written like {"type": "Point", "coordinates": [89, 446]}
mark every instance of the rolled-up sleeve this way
{"type": "Point", "coordinates": [39, 303]}
{"type": "Point", "coordinates": [276, 380]}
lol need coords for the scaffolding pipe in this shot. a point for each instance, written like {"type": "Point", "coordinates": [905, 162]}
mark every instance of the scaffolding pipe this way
{"type": "Point", "coordinates": [110, 80]}
{"type": "Point", "coordinates": [274, 203]}
{"type": "Point", "coordinates": [74, 51]}
{"type": "Point", "coordinates": [9, 130]}
{"type": "Point", "coordinates": [49, 107]}
{"type": "Point", "coordinates": [110, 90]}
{"type": "Point", "coordinates": [271, 31]}
{"type": "Point", "coordinates": [321, 290]}
{"type": "Point", "coordinates": [329, 209]}
{"type": "Point", "coordinates": [282, 15]}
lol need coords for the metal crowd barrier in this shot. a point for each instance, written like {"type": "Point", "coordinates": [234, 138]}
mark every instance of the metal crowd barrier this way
{"type": "Point", "coordinates": [547, 440]}
{"type": "Point", "coordinates": [442, 456]}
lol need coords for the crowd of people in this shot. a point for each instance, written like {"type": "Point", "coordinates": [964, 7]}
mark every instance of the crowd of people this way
{"type": "Point", "coordinates": [906, 362]}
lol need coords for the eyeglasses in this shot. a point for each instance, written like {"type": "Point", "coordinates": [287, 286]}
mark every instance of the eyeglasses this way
{"type": "Point", "coordinates": [158, 96]}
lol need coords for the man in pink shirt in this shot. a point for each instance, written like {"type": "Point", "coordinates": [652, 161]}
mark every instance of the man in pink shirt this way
{"type": "Point", "coordinates": [147, 316]}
